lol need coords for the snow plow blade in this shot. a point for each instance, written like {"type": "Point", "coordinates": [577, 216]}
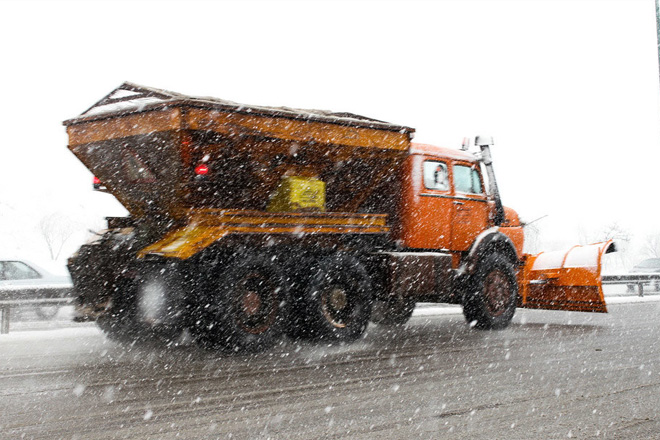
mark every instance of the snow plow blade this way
{"type": "Point", "coordinates": [565, 280]}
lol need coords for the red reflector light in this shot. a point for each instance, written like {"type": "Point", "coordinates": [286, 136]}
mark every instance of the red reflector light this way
{"type": "Point", "coordinates": [96, 180]}
{"type": "Point", "coordinates": [201, 169]}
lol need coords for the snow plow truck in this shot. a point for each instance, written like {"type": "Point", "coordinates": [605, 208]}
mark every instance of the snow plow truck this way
{"type": "Point", "coordinates": [247, 224]}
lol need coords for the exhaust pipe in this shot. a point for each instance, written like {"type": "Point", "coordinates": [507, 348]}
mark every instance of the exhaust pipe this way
{"type": "Point", "coordinates": [484, 143]}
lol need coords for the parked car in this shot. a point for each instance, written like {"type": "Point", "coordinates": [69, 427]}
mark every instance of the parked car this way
{"type": "Point", "coordinates": [648, 266]}
{"type": "Point", "coordinates": [23, 280]}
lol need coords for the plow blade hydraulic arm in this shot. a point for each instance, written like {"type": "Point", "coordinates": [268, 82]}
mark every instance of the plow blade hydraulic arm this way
{"type": "Point", "coordinates": [565, 280]}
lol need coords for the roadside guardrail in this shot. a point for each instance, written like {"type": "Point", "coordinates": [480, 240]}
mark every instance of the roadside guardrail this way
{"type": "Point", "coordinates": [6, 305]}
{"type": "Point", "coordinates": [633, 280]}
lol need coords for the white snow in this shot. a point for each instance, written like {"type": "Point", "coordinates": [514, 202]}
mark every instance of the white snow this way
{"type": "Point", "coordinates": [632, 299]}
{"type": "Point", "coordinates": [60, 333]}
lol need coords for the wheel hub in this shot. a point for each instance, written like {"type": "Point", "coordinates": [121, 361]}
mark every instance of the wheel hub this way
{"type": "Point", "coordinates": [251, 303]}
{"type": "Point", "coordinates": [337, 306]}
{"type": "Point", "coordinates": [256, 303]}
{"type": "Point", "coordinates": [496, 290]}
{"type": "Point", "coordinates": [337, 299]}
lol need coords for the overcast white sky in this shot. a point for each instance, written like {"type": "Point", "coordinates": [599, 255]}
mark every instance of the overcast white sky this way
{"type": "Point", "coordinates": [568, 89]}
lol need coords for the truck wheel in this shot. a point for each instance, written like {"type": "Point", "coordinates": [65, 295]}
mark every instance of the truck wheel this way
{"type": "Point", "coordinates": [393, 311]}
{"type": "Point", "coordinates": [243, 312]}
{"type": "Point", "coordinates": [146, 310]}
{"type": "Point", "coordinates": [491, 295]}
{"type": "Point", "coordinates": [117, 323]}
{"type": "Point", "coordinates": [335, 302]}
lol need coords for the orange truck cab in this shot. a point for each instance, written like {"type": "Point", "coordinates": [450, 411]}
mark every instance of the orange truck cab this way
{"type": "Point", "coordinates": [446, 204]}
{"type": "Point", "coordinates": [249, 223]}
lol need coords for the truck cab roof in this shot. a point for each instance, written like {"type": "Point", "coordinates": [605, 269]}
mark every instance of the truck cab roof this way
{"type": "Point", "coordinates": [449, 153]}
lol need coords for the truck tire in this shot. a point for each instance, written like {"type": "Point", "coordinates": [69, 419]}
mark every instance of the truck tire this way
{"type": "Point", "coordinates": [118, 323]}
{"type": "Point", "coordinates": [148, 309]}
{"type": "Point", "coordinates": [489, 301]}
{"type": "Point", "coordinates": [335, 301]}
{"type": "Point", "coordinates": [394, 311]}
{"type": "Point", "coordinates": [243, 310]}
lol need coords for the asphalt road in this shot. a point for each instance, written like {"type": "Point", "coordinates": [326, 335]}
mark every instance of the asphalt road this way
{"type": "Point", "coordinates": [549, 375]}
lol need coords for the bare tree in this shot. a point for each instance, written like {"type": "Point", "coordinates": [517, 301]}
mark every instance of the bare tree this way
{"type": "Point", "coordinates": [618, 261]}
{"type": "Point", "coordinates": [56, 230]}
{"type": "Point", "coordinates": [611, 231]}
{"type": "Point", "coordinates": [614, 231]}
{"type": "Point", "coordinates": [651, 246]}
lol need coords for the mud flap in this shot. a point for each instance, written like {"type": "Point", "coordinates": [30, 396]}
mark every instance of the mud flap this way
{"type": "Point", "coordinates": [565, 280]}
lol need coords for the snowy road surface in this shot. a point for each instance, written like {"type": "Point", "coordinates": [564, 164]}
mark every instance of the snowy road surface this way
{"type": "Point", "coordinates": [549, 375]}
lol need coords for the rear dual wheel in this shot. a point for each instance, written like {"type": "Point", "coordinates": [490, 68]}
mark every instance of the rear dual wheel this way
{"type": "Point", "coordinates": [332, 300]}
{"type": "Point", "coordinates": [147, 309]}
{"type": "Point", "coordinates": [242, 310]}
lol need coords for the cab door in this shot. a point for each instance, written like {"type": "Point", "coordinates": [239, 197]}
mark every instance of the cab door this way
{"type": "Point", "coordinates": [470, 205]}
{"type": "Point", "coordinates": [426, 209]}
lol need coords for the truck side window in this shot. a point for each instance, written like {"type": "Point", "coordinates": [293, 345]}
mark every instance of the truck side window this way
{"type": "Point", "coordinates": [435, 175]}
{"type": "Point", "coordinates": [466, 180]}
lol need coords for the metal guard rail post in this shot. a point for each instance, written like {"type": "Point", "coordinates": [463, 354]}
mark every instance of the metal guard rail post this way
{"type": "Point", "coordinates": [6, 305]}
{"type": "Point", "coordinates": [632, 279]}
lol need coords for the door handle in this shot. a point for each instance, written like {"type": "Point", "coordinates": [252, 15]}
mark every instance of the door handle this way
{"type": "Point", "coordinates": [458, 203]}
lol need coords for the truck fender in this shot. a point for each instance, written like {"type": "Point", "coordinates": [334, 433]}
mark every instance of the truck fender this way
{"type": "Point", "coordinates": [490, 240]}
